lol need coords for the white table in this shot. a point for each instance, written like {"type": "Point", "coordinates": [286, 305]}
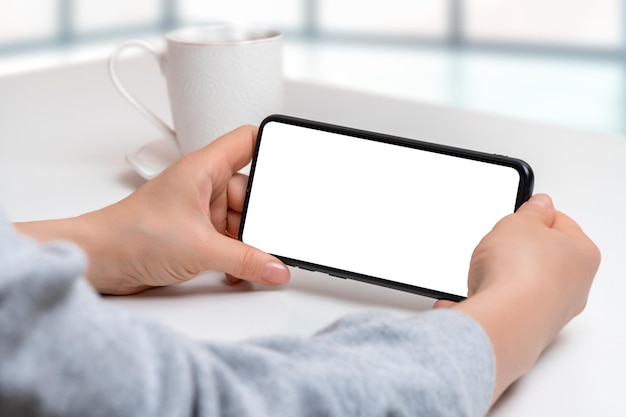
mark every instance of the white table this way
{"type": "Point", "coordinates": [64, 133]}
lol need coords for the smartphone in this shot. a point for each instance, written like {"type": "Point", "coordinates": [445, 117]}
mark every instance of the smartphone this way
{"type": "Point", "coordinates": [396, 212]}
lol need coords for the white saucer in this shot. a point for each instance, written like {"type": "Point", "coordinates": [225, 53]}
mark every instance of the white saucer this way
{"type": "Point", "coordinates": [152, 158]}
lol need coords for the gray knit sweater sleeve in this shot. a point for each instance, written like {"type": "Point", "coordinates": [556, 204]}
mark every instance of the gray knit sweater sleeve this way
{"type": "Point", "coordinates": [63, 352]}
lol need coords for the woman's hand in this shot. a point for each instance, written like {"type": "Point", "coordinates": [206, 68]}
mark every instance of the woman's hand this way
{"type": "Point", "coordinates": [175, 226]}
{"type": "Point", "coordinates": [528, 278]}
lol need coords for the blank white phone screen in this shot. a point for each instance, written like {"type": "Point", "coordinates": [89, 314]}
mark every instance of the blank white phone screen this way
{"type": "Point", "coordinates": [386, 211]}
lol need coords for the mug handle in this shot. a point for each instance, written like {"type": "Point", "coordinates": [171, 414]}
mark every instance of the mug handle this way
{"type": "Point", "coordinates": [158, 55]}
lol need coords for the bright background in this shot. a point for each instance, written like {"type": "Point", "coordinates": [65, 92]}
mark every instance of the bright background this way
{"type": "Point", "coordinates": [558, 61]}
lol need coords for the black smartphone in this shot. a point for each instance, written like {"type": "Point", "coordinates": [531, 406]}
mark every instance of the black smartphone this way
{"type": "Point", "coordinates": [391, 211]}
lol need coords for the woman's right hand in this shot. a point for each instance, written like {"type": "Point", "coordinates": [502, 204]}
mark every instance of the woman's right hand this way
{"type": "Point", "coordinates": [528, 278]}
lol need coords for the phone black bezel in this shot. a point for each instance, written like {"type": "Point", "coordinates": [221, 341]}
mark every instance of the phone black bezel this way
{"type": "Point", "coordinates": [524, 191]}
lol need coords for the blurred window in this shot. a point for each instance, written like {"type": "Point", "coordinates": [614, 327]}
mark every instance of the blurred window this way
{"type": "Point", "coordinates": [286, 14]}
{"type": "Point", "coordinates": [19, 24]}
{"type": "Point", "coordinates": [428, 18]}
{"type": "Point", "coordinates": [570, 24]}
{"type": "Point", "coordinates": [92, 16]}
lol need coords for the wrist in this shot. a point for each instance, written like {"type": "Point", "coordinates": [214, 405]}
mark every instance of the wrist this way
{"type": "Point", "coordinates": [107, 241]}
{"type": "Point", "coordinates": [519, 324]}
{"type": "Point", "coordinates": [97, 234]}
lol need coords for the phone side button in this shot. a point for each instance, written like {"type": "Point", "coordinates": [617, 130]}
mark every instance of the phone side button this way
{"type": "Point", "coordinates": [306, 268]}
{"type": "Point", "coordinates": [337, 276]}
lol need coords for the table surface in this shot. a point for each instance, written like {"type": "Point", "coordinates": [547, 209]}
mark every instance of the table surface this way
{"type": "Point", "coordinates": [64, 133]}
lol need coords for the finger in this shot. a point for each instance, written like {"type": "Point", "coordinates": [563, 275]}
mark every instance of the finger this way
{"type": "Point", "coordinates": [219, 212]}
{"type": "Point", "coordinates": [556, 219]}
{"type": "Point", "coordinates": [233, 223]}
{"type": "Point", "coordinates": [245, 262]}
{"type": "Point", "coordinates": [237, 191]}
{"type": "Point", "coordinates": [540, 207]}
{"type": "Point", "coordinates": [566, 223]}
{"type": "Point", "coordinates": [542, 200]}
{"type": "Point", "coordinates": [444, 304]}
{"type": "Point", "coordinates": [234, 148]}
{"type": "Point", "coordinates": [231, 279]}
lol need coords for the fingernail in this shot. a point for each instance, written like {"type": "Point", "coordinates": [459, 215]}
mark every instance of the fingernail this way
{"type": "Point", "coordinates": [541, 200]}
{"type": "Point", "coordinates": [275, 273]}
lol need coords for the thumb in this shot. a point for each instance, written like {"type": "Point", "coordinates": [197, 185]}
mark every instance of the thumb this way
{"type": "Point", "coordinates": [539, 206]}
{"type": "Point", "coordinates": [245, 262]}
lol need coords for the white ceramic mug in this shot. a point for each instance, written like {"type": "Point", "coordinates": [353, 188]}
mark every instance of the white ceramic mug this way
{"type": "Point", "coordinates": [218, 78]}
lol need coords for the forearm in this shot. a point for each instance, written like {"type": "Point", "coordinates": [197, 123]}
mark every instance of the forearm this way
{"type": "Point", "coordinates": [437, 363]}
{"type": "Point", "coordinates": [364, 365]}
